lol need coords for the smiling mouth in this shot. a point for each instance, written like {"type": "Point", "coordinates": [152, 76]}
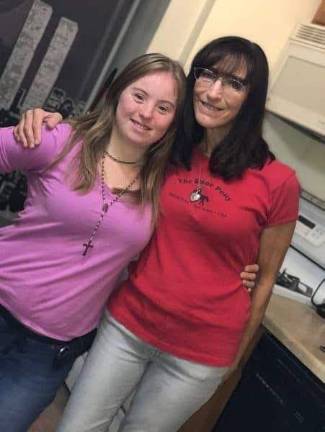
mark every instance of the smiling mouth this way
{"type": "Point", "coordinates": [210, 107]}
{"type": "Point", "coordinates": [140, 125]}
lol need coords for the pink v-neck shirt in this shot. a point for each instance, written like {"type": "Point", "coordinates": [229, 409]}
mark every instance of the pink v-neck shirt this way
{"type": "Point", "coordinates": [45, 281]}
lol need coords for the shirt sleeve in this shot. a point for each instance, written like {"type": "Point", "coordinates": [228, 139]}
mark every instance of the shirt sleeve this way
{"type": "Point", "coordinates": [285, 202]}
{"type": "Point", "coordinates": [13, 156]}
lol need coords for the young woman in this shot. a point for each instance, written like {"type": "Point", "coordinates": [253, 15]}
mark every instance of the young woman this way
{"type": "Point", "coordinates": [92, 199]}
{"type": "Point", "coordinates": [182, 319]}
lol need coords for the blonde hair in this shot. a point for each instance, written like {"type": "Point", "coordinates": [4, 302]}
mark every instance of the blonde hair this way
{"type": "Point", "coordinates": [94, 130]}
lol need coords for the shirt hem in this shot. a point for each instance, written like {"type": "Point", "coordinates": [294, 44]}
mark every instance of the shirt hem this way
{"type": "Point", "coordinates": [170, 349]}
{"type": "Point", "coordinates": [40, 331]}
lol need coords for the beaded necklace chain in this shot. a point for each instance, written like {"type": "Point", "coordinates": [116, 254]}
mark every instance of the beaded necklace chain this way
{"type": "Point", "coordinates": [105, 205]}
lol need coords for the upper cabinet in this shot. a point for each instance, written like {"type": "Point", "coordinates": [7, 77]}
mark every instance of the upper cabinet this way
{"type": "Point", "coordinates": [299, 83]}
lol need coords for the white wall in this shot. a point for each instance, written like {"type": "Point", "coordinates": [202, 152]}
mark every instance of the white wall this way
{"type": "Point", "coordinates": [180, 27]}
{"type": "Point", "coordinates": [267, 22]}
{"type": "Point", "coordinates": [189, 24]}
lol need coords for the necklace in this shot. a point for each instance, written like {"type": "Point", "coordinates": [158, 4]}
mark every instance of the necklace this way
{"type": "Point", "coordinates": [105, 205]}
{"type": "Point", "coordinates": [196, 195]}
{"type": "Point", "coordinates": [120, 160]}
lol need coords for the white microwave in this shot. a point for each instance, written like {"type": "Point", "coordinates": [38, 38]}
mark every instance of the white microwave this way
{"type": "Point", "coordinates": [297, 92]}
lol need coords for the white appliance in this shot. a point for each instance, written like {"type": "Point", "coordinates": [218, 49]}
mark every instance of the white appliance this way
{"type": "Point", "coordinates": [298, 88]}
{"type": "Point", "coordinates": [309, 236]}
{"type": "Point", "coordinates": [303, 269]}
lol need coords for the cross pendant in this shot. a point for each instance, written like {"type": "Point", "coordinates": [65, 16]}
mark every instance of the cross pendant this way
{"type": "Point", "coordinates": [87, 246]}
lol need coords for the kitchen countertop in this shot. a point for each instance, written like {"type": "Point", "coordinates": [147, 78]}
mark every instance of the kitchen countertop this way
{"type": "Point", "coordinates": [298, 327]}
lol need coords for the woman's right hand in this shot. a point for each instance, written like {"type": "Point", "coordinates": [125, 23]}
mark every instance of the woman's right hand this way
{"type": "Point", "coordinates": [28, 130]}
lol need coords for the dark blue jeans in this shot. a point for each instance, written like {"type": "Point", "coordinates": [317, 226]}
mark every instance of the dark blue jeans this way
{"type": "Point", "coordinates": [28, 378]}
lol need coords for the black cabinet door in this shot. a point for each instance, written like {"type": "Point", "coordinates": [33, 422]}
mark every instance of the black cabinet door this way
{"type": "Point", "coordinates": [276, 394]}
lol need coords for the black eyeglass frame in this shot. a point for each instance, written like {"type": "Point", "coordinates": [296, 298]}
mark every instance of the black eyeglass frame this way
{"type": "Point", "coordinates": [215, 75]}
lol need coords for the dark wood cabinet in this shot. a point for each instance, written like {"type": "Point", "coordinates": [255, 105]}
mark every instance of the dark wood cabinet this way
{"type": "Point", "coordinates": [276, 393]}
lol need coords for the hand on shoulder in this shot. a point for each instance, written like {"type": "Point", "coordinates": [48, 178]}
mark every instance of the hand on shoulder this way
{"type": "Point", "coordinates": [29, 129]}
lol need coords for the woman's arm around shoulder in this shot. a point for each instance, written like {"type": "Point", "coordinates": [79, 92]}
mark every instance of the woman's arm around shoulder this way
{"type": "Point", "coordinates": [14, 157]}
{"type": "Point", "coordinates": [28, 130]}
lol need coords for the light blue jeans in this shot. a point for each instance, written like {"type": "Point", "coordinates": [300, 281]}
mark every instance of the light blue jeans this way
{"type": "Point", "coordinates": [168, 390]}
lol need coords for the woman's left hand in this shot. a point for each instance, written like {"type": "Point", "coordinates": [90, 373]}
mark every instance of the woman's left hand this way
{"type": "Point", "coordinates": [248, 276]}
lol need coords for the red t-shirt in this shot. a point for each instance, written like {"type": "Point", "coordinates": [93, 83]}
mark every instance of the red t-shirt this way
{"type": "Point", "coordinates": [185, 295]}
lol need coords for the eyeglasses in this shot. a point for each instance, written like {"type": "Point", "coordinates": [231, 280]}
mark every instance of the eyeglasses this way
{"type": "Point", "coordinates": [208, 77]}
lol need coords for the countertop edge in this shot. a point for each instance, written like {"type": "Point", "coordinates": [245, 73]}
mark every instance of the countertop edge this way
{"type": "Point", "coordinates": [302, 340]}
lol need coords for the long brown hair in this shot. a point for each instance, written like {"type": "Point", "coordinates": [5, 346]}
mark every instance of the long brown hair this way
{"type": "Point", "coordinates": [94, 130]}
{"type": "Point", "coordinates": [243, 147]}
